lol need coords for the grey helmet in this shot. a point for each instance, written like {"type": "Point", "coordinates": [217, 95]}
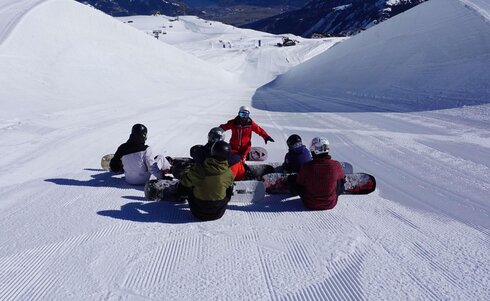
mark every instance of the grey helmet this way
{"type": "Point", "coordinates": [244, 112]}
{"type": "Point", "coordinates": [216, 134]}
{"type": "Point", "coordinates": [244, 109]}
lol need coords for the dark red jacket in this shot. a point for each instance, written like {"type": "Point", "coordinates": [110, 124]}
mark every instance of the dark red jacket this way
{"type": "Point", "coordinates": [319, 182]}
{"type": "Point", "coordinates": [241, 134]}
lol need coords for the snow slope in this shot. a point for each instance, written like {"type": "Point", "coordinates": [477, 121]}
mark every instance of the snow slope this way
{"type": "Point", "coordinates": [88, 71]}
{"type": "Point", "coordinates": [75, 80]}
{"type": "Point", "coordinates": [95, 51]}
{"type": "Point", "coordinates": [414, 62]}
{"type": "Point", "coordinates": [11, 11]}
{"type": "Point", "coordinates": [234, 49]}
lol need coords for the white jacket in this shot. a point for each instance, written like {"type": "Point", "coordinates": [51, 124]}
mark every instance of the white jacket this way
{"type": "Point", "coordinates": [139, 166]}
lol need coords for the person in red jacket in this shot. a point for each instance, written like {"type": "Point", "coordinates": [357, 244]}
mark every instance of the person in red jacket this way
{"type": "Point", "coordinates": [320, 181]}
{"type": "Point", "coordinates": [241, 128]}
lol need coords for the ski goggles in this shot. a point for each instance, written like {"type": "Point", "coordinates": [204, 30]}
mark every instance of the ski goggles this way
{"type": "Point", "coordinates": [244, 114]}
{"type": "Point", "coordinates": [297, 145]}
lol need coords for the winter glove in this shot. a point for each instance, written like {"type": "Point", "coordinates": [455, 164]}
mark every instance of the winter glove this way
{"type": "Point", "coordinates": [268, 139]}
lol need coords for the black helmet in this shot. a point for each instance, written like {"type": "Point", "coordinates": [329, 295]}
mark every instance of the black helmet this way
{"type": "Point", "coordinates": [216, 134]}
{"type": "Point", "coordinates": [220, 150]}
{"type": "Point", "coordinates": [139, 130]}
{"type": "Point", "coordinates": [293, 139]}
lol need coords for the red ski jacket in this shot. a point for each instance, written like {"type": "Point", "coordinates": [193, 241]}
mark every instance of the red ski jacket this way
{"type": "Point", "coordinates": [241, 134]}
{"type": "Point", "coordinates": [319, 183]}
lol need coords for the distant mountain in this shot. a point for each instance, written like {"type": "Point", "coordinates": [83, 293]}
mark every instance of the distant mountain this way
{"type": "Point", "coordinates": [262, 3]}
{"type": "Point", "coordinates": [300, 17]}
{"type": "Point", "coordinates": [240, 12]}
{"type": "Point", "coordinates": [119, 8]}
{"type": "Point", "coordinates": [233, 12]}
{"type": "Point", "coordinates": [334, 17]}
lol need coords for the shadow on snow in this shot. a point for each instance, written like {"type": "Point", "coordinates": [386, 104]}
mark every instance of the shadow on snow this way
{"type": "Point", "coordinates": [271, 203]}
{"type": "Point", "coordinates": [104, 179]}
{"type": "Point", "coordinates": [171, 212]}
{"type": "Point", "coordinates": [140, 210]}
{"type": "Point", "coordinates": [152, 212]}
{"type": "Point", "coordinates": [277, 98]}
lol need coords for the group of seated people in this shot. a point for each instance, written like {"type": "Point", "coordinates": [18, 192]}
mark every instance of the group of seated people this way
{"type": "Point", "coordinates": [208, 183]}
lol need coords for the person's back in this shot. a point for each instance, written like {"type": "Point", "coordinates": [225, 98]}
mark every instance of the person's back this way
{"type": "Point", "coordinates": [210, 183]}
{"type": "Point", "coordinates": [209, 180]}
{"type": "Point", "coordinates": [320, 181]}
{"type": "Point", "coordinates": [136, 159]}
{"type": "Point", "coordinates": [200, 152]}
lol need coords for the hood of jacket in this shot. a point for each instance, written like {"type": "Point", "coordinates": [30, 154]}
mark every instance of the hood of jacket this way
{"type": "Point", "coordinates": [215, 167]}
{"type": "Point", "coordinates": [323, 157]}
{"type": "Point", "coordinates": [298, 150]}
{"type": "Point", "coordinates": [136, 139]}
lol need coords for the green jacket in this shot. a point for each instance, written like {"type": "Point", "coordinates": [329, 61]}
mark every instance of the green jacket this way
{"type": "Point", "coordinates": [209, 180]}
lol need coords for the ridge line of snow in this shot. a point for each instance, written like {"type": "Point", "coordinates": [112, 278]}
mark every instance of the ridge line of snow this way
{"type": "Point", "coordinates": [479, 7]}
{"type": "Point", "coordinates": [10, 20]}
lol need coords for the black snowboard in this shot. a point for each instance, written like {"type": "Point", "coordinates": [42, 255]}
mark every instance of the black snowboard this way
{"type": "Point", "coordinates": [161, 189]}
{"type": "Point", "coordinates": [254, 171]}
{"type": "Point", "coordinates": [178, 165]}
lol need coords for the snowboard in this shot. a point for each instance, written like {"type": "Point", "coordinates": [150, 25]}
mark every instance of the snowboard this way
{"type": "Point", "coordinates": [355, 183]}
{"type": "Point", "coordinates": [250, 191]}
{"type": "Point", "coordinates": [166, 189]}
{"type": "Point", "coordinates": [161, 189]}
{"type": "Point", "coordinates": [105, 162]}
{"type": "Point", "coordinates": [179, 165]}
{"type": "Point", "coordinates": [257, 153]}
{"type": "Point", "coordinates": [256, 170]}
{"type": "Point", "coordinates": [347, 167]}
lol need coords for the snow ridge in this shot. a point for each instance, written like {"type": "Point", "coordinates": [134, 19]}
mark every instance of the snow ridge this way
{"type": "Point", "coordinates": [11, 13]}
{"type": "Point", "coordinates": [482, 7]}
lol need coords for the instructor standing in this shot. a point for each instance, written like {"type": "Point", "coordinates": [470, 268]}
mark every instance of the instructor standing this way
{"type": "Point", "coordinates": [241, 128]}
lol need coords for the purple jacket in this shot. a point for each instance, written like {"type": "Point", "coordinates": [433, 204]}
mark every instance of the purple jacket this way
{"type": "Point", "coordinates": [295, 158]}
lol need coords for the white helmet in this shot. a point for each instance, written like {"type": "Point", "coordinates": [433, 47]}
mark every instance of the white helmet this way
{"type": "Point", "coordinates": [320, 145]}
{"type": "Point", "coordinates": [244, 109]}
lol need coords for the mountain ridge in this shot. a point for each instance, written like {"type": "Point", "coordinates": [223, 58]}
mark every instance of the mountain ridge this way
{"type": "Point", "coordinates": [333, 18]}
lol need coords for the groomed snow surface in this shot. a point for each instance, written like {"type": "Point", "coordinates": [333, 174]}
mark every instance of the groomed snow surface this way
{"type": "Point", "coordinates": [406, 101]}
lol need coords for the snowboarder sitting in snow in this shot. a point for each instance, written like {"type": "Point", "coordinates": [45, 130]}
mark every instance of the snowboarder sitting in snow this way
{"type": "Point", "coordinates": [210, 184]}
{"type": "Point", "coordinates": [136, 160]}
{"type": "Point", "coordinates": [241, 128]}
{"type": "Point", "coordinates": [320, 181]}
{"type": "Point", "coordinates": [200, 152]}
{"type": "Point", "coordinates": [296, 156]}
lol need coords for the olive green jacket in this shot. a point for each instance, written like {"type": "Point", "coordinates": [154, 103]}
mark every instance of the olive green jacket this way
{"type": "Point", "coordinates": [210, 180]}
